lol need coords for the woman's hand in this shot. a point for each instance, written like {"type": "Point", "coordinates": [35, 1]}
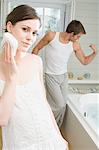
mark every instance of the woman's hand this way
{"type": "Point", "coordinates": [10, 66]}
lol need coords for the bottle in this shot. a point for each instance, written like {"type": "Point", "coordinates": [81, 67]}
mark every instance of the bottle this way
{"type": "Point", "coordinates": [8, 37]}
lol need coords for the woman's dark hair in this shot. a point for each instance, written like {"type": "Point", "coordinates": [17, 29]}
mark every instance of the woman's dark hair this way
{"type": "Point", "coordinates": [76, 27]}
{"type": "Point", "coordinates": [20, 13]}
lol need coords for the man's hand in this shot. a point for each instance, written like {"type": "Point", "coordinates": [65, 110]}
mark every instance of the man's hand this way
{"type": "Point", "coordinates": [93, 47]}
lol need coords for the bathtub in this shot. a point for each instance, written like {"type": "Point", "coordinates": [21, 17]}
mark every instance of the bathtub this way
{"type": "Point", "coordinates": [85, 108]}
{"type": "Point", "coordinates": [89, 108]}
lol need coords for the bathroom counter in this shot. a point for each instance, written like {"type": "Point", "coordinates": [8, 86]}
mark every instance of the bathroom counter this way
{"type": "Point", "coordinates": [83, 81]}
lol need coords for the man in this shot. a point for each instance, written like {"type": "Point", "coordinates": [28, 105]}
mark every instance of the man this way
{"type": "Point", "coordinates": [59, 46]}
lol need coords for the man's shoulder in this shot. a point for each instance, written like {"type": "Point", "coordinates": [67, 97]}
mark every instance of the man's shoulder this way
{"type": "Point", "coordinates": [50, 35]}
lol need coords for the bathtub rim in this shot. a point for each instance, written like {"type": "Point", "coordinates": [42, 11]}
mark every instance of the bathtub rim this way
{"type": "Point", "coordinates": [73, 106]}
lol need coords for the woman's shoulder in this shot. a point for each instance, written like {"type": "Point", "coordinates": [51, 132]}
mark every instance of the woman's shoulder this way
{"type": "Point", "coordinates": [35, 59]}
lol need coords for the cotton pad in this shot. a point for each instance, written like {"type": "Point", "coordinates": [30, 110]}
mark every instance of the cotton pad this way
{"type": "Point", "coordinates": [8, 37]}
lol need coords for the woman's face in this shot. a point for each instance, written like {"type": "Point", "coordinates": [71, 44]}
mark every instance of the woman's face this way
{"type": "Point", "coordinates": [25, 32]}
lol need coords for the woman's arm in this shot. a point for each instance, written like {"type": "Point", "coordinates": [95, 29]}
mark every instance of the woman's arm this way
{"type": "Point", "coordinates": [81, 56]}
{"type": "Point", "coordinates": [7, 100]}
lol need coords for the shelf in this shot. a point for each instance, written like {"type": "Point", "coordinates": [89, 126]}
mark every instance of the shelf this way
{"type": "Point", "coordinates": [83, 82]}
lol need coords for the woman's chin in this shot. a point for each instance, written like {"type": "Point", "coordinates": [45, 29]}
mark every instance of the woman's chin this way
{"type": "Point", "coordinates": [26, 49]}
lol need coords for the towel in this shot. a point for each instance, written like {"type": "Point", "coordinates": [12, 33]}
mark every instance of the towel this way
{"type": "Point", "coordinates": [8, 37]}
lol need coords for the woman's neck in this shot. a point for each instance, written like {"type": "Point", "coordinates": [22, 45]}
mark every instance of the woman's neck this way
{"type": "Point", "coordinates": [20, 55]}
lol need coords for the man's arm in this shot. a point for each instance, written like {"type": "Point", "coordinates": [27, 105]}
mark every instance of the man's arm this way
{"type": "Point", "coordinates": [43, 42]}
{"type": "Point", "coordinates": [81, 56]}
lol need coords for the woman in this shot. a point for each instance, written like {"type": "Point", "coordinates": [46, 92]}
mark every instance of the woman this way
{"type": "Point", "coordinates": [25, 116]}
{"type": "Point", "coordinates": [0, 139]}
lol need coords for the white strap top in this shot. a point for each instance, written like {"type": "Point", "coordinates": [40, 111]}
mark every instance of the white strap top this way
{"type": "Point", "coordinates": [30, 126]}
{"type": "Point", "coordinates": [57, 55]}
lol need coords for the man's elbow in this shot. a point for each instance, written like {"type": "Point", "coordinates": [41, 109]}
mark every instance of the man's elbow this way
{"type": "Point", "coordinates": [35, 51]}
{"type": "Point", "coordinates": [84, 61]}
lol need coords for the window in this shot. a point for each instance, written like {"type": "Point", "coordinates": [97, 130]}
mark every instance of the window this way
{"type": "Point", "coordinates": [52, 15]}
{"type": "Point", "coordinates": [50, 19]}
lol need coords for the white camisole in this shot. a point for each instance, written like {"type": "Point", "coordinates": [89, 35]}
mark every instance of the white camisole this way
{"type": "Point", "coordinates": [30, 126]}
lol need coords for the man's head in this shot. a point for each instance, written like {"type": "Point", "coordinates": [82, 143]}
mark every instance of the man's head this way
{"type": "Point", "coordinates": [76, 29]}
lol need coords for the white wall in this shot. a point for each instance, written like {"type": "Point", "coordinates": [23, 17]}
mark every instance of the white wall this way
{"type": "Point", "coordinates": [98, 26]}
{"type": "Point", "coordinates": [87, 11]}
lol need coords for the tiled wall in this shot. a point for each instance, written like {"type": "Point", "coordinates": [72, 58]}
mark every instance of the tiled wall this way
{"type": "Point", "coordinates": [88, 13]}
